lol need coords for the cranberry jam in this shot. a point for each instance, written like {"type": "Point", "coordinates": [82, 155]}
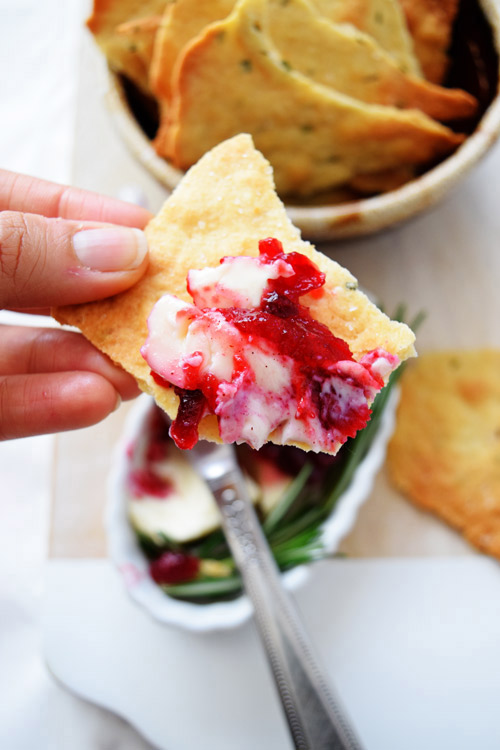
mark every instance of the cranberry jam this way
{"type": "Point", "coordinates": [262, 368]}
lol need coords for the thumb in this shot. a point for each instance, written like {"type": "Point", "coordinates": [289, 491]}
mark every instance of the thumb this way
{"type": "Point", "coordinates": [45, 262]}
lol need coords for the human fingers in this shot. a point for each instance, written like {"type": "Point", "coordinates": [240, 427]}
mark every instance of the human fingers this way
{"type": "Point", "coordinates": [45, 262]}
{"type": "Point", "coordinates": [28, 194]}
{"type": "Point", "coordinates": [50, 350]}
{"type": "Point", "coordinates": [54, 402]}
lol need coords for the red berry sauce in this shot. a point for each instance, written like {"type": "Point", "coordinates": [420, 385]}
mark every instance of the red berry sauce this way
{"type": "Point", "coordinates": [332, 396]}
{"type": "Point", "coordinates": [184, 430]}
{"type": "Point", "coordinates": [145, 482]}
{"type": "Point", "coordinates": [143, 479]}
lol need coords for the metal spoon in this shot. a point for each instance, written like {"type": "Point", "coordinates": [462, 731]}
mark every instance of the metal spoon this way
{"type": "Point", "coordinates": [315, 718]}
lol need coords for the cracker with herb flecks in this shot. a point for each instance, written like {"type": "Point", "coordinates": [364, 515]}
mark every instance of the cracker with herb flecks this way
{"type": "Point", "coordinates": [445, 451]}
{"type": "Point", "coordinates": [352, 63]}
{"type": "Point", "coordinates": [181, 22]}
{"type": "Point", "coordinates": [431, 25]}
{"type": "Point", "coordinates": [124, 30]}
{"type": "Point", "coordinates": [381, 19]}
{"type": "Point", "coordinates": [223, 206]}
{"type": "Point", "coordinates": [139, 36]}
{"type": "Point", "coordinates": [314, 137]}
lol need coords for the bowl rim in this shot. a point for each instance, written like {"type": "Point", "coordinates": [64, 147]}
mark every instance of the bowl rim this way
{"type": "Point", "coordinates": [355, 218]}
{"type": "Point", "coordinates": [131, 563]}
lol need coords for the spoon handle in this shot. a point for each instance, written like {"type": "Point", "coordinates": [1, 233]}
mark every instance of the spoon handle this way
{"type": "Point", "coordinates": [315, 717]}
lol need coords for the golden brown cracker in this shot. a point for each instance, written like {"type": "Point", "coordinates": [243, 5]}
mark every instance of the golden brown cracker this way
{"type": "Point", "coordinates": [223, 206]}
{"type": "Point", "coordinates": [445, 452]}
{"type": "Point", "coordinates": [381, 182]}
{"type": "Point", "coordinates": [140, 35]}
{"type": "Point", "coordinates": [181, 22]}
{"type": "Point", "coordinates": [124, 30]}
{"type": "Point", "coordinates": [430, 23]}
{"type": "Point", "coordinates": [353, 63]}
{"type": "Point", "coordinates": [314, 137]}
{"type": "Point", "coordinates": [381, 19]}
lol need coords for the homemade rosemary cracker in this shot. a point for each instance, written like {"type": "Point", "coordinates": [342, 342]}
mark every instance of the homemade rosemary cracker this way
{"type": "Point", "coordinates": [431, 25]}
{"type": "Point", "coordinates": [332, 91]}
{"type": "Point", "coordinates": [445, 452]}
{"type": "Point", "coordinates": [313, 45]}
{"type": "Point", "coordinates": [224, 205]}
{"type": "Point", "coordinates": [315, 137]}
{"type": "Point", "coordinates": [125, 31]}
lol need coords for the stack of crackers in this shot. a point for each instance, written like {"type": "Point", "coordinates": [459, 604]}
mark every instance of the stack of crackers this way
{"type": "Point", "coordinates": [339, 95]}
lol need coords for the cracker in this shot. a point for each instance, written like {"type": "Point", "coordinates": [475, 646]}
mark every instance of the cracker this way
{"type": "Point", "coordinates": [223, 206]}
{"type": "Point", "coordinates": [185, 19]}
{"type": "Point", "coordinates": [381, 19]}
{"type": "Point", "coordinates": [140, 35]}
{"type": "Point", "coordinates": [381, 182]}
{"type": "Point", "coordinates": [124, 30]}
{"type": "Point", "coordinates": [181, 22]}
{"type": "Point", "coordinates": [314, 137]}
{"type": "Point", "coordinates": [431, 25]}
{"type": "Point", "coordinates": [353, 63]}
{"type": "Point", "coordinates": [445, 452]}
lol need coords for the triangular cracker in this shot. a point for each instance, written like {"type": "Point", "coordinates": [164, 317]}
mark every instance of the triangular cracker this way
{"type": "Point", "coordinates": [223, 206]}
{"type": "Point", "coordinates": [445, 451]}
{"type": "Point", "coordinates": [181, 22]}
{"type": "Point", "coordinates": [431, 25]}
{"type": "Point", "coordinates": [314, 137]}
{"type": "Point", "coordinates": [185, 19]}
{"type": "Point", "coordinates": [381, 19]}
{"type": "Point", "coordinates": [124, 30]}
{"type": "Point", "coordinates": [352, 63]}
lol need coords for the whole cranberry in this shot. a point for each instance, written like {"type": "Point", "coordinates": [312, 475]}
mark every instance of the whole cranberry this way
{"type": "Point", "coordinates": [174, 567]}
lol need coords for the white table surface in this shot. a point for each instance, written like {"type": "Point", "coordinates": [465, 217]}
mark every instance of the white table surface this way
{"type": "Point", "coordinates": [39, 48]}
{"type": "Point", "coordinates": [39, 53]}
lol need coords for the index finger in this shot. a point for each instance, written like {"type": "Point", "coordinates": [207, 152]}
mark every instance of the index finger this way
{"type": "Point", "coordinates": [31, 195]}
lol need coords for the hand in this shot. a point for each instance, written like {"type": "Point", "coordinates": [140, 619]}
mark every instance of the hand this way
{"type": "Point", "coordinates": [58, 246]}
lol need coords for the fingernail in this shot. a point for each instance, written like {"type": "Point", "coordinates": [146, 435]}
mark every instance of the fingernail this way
{"type": "Point", "coordinates": [113, 249]}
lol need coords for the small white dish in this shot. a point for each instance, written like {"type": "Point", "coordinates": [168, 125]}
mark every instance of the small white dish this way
{"type": "Point", "coordinates": [133, 565]}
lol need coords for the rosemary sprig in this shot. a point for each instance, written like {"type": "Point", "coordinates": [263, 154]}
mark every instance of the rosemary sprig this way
{"type": "Point", "coordinates": [289, 497]}
{"type": "Point", "coordinates": [205, 587]}
{"type": "Point", "coordinates": [309, 520]}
